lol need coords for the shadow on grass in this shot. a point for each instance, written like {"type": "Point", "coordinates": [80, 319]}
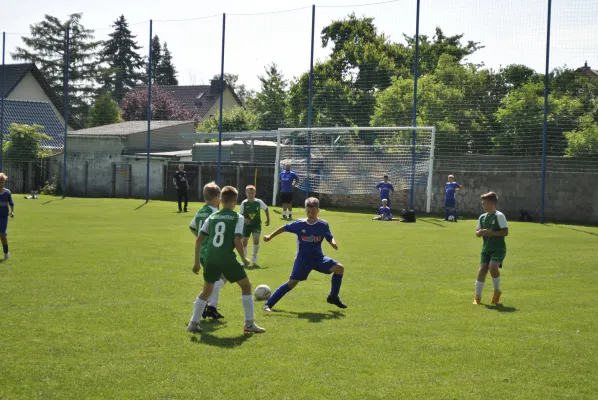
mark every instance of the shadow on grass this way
{"type": "Point", "coordinates": [141, 206]}
{"type": "Point", "coordinates": [501, 308]}
{"type": "Point", "coordinates": [314, 316]}
{"type": "Point", "coordinates": [255, 266]}
{"type": "Point", "coordinates": [432, 222]}
{"type": "Point", "coordinates": [574, 229]}
{"type": "Point", "coordinates": [226, 342]}
{"type": "Point", "coordinates": [49, 201]}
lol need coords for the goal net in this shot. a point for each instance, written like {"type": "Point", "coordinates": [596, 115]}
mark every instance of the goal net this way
{"type": "Point", "coordinates": [351, 160]}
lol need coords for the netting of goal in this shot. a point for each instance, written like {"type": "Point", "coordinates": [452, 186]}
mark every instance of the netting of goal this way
{"type": "Point", "coordinates": [351, 160]}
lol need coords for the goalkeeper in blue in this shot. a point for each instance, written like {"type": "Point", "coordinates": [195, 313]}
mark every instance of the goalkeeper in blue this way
{"type": "Point", "coordinates": [310, 231]}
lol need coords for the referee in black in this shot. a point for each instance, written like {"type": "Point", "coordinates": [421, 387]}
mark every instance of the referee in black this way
{"type": "Point", "coordinates": [181, 184]}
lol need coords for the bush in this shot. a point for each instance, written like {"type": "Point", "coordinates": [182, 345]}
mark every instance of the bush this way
{"type": "Point", "coordinates": [52, 188]}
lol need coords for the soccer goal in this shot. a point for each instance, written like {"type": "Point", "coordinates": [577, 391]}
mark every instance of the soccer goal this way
{"type": "Point", "coordinates": [351, 160]}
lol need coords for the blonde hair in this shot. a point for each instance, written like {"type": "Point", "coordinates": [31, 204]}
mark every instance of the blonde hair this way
{"type": "Point", "coordinates": [211, 191]}
{"type": "Point", "coordinates": [312, 202]}
{"type": "Point", "coordinates": [229, 194]}
{"type": "Point", "coordinates": [3, 175]}
{"type": "Point", "coordinates": [451, 176]}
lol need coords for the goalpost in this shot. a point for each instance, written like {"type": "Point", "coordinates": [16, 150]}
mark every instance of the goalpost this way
{"type": "Point", "coordinates": [351, 160]}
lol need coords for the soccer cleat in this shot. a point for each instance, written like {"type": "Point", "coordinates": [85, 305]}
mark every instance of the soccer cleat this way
{"type": "Point", "coordinates": [6, 256]}
{"type": "Point", "coordinates": [496, 297]}
{"type": "Point", "coordinates": [477, 300]}
{"type": "Point", "coordinates": [336, 301]}
{"type": "Point", "coordinates": [267, 308]}
{"type": "Point", "coordinates": [253, 328]}
{"type": "Point", "coordinates": [194, 327]}
{"type": "Point", "coordinates": [211, 312]}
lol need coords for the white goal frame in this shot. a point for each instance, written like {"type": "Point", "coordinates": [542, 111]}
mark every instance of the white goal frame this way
{"type": "Point", "coordinates": [286, 131]}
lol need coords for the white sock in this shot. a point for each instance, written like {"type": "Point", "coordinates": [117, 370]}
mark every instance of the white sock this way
{"type": "Point", "coordinates": [479, 286]}
{"type": "Point", "coordinates": [213, 299]}
{"type": "Point", "coordinates": [284, 213]}
{"type": "Point", "coordinates": [245, 251]}
{"type": "Point", "coordinates": [198, 308]}
{"type": "Point", "coordinates": [256, 248]}
{"type": "Point", "coordinates": [248, 308]}
{"type": "Point", "coordinates": [496, 283]}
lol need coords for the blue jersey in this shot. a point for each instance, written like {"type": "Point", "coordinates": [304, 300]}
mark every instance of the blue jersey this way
{"type": "Point", "coordinates": [385, 189]}
{"type": "Point", "coordinates": [309, 237]}
{"type": "Point", "coordinates": [5, 201]}
{"type": "Point", "coordinates": [286, 181]}
{"type": "Point", "coordinates": [385, 212]}
{"type": "Point", "coordinates": [451, 187]}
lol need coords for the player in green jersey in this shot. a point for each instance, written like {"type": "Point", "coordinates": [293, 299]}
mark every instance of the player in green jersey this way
{"type": "Point", "coordinates": [492, 227]}
{"type": "Point", "coordinates": [221, 235]}
{"type": "Point", "coordinates": [250, 210]}
{"type": "Point", "coordinates": [211, 194]}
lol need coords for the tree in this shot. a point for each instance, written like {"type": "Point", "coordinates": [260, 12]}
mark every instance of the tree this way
{"type": "Point", "coordinates": [583, 142]}
{"type": "Point", "coordinates": [164, 107]}
{"type": "Point", "coordinates": [23, 143]}
{"type": "Point", "coordinates": [270, 103]}
{"type": "Point", "coordinates": [124, 65]}
{"type": "Point", "coordinates": [156, 57]}
{"type": "Point", "coordinates": [166, 72]}
{"type": "Point", "coordinates": [240, 90]}
{"type": "Point", "coordinates": [236, 119]}
{"type": "Point", "coordinates": [521, 118]}
{"type": "Point", "coordinates": [46, 48]}
{"type": "Point", "coordinates": [104, 111]}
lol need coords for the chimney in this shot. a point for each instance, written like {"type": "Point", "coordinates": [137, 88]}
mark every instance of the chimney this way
{"type": "Point", "coordinates": [215, 85]}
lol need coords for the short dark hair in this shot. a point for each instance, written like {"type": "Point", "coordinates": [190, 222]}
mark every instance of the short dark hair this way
{"type": "Point", "coordinates": [211, 191]}
{"type": "Point", "coordinates": [385, 176]}
{"type": "Point", "coordinates": [312, 202]}
{"type": "Point", "coordinates": [229, 194]}
{"type": "Point", "coordinates": [490, 196]}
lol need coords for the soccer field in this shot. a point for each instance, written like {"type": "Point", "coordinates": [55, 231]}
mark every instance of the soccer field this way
{"type": "Point", "coordinates": [98, 292]}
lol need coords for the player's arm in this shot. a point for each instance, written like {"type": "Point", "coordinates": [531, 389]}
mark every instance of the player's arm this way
{"type": "Point", "coordinates": [186, 180]}
{"type": "Point", "coordinates": [478, 229]}
{"type": "Point", "coordinates": [239, 240]}
{"type": "Point", "coordinates": [459, 187]}
{"type": "Point", "coordinates": [392, 189]}
{"type": "Point", "coordinates": [295, 180]}
{"type": "Point", "coordinates": [198, 243]}
{"type": "Point", "coordinates": [11, 205]}
{"type": "Point", "coordinates": [264, 207]}
{"type": "Point", "coordinates": [330, 239]}
{"type": "Point", "coordinates": [277, 232]}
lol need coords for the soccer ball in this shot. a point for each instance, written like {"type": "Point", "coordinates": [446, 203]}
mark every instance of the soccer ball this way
{"type": "Point", "coordinates": [262, 292]}
{"type": "Point", "coordinates": [451, 218]}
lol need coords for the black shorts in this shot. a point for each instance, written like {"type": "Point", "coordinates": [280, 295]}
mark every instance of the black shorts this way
{"type": "Point", "coordinates": [286, 197]}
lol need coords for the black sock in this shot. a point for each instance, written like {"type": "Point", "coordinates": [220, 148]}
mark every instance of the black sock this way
{"type": "Point", "coordinates": [5, 247]}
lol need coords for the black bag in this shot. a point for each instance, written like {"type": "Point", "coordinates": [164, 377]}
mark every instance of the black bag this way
{"type": "Point", "coordinates": [524, 216]}
{"type": "Point", "coordinates": [408, 215]}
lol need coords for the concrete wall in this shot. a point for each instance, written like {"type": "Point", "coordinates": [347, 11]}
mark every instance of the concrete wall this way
{"type": "Point", "coordinates": [571, 188]}
{"type": "Point", "coordinates": [30, 89]}
{"type": "Point", "coordinates": [139, 173]}
{"type": "Point", "coordinates": [165, 139]}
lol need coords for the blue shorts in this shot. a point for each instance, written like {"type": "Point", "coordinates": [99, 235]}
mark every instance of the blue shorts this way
{"type": "Point", "coordinates": [302, 268]}
{"type": "Point", "coordinates": [450, 203]}
{"type": "Point", "coordinates": [3, 225]}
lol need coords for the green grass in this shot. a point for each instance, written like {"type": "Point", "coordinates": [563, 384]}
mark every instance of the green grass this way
{"type": "Point", "coordinates": [97, 294]}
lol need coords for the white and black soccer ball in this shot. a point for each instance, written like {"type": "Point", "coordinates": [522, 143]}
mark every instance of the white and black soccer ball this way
{"type": "Point", "coordinates": [262, 292]}
{"type": "Point", "coordinates": [451, 218]}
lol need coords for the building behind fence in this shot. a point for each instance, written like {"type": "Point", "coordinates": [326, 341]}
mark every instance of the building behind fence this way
{"type": "Point", "coordinates": [507, 127]}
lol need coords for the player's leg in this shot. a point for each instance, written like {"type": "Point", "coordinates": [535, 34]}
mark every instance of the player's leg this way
{"type": "Point", "coordinates": [256, 244]}
{"type": "Point", "coordinates": [3, 236]}
{"type": "Point", "coordinates": [455, 211]}
{"type": "Point", "coordinates": [186, 197]}
{"type": "Point", "coordinates": [330, 266]}
{"type": "Point", "coordinates": [279, 293]}
{"type": "Point", "coordinates": [198, 308]}
{"type": "Point", "coordinates": [211, 310]}
{"type": "Point", "coordinates": [245, 239]}
{"type": "Point", "coordinates": [290, 205]}
{"type": "Point", "coordinates": [235, 272]}
{"type": "Point", "coordinates": [179, 195]}
{"type": "Point", "coordinates": [481, 279]}
{"type": "Point", "coordinates": [494, 268]}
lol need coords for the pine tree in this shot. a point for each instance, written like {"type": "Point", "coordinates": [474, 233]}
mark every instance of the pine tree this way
{"type": "Point", "coordinates": [46, 48]}
{"type": "Point", "coordinates": [270, 103]}
{"type": "Point", "coordinates": [156, 58]}
{"type": "Point", "coordinates": [123, 67]}
{"type": "Point", "coordinates": [166, 72]}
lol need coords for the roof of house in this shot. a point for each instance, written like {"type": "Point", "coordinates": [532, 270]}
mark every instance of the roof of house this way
{"type": "Point", "coordinates": [197, 99]}
{"type": "Point", "coordinates": [34, 113]}
{"type": "Point", "coordinates": [125, 128]}
{"type": "Point", "coordinates": [586, 70]}
{"type": "Point", "coordinates": [14, 74]}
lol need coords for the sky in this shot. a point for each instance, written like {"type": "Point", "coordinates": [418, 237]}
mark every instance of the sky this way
{"type": "Point", "coordinates": [260, 32]}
